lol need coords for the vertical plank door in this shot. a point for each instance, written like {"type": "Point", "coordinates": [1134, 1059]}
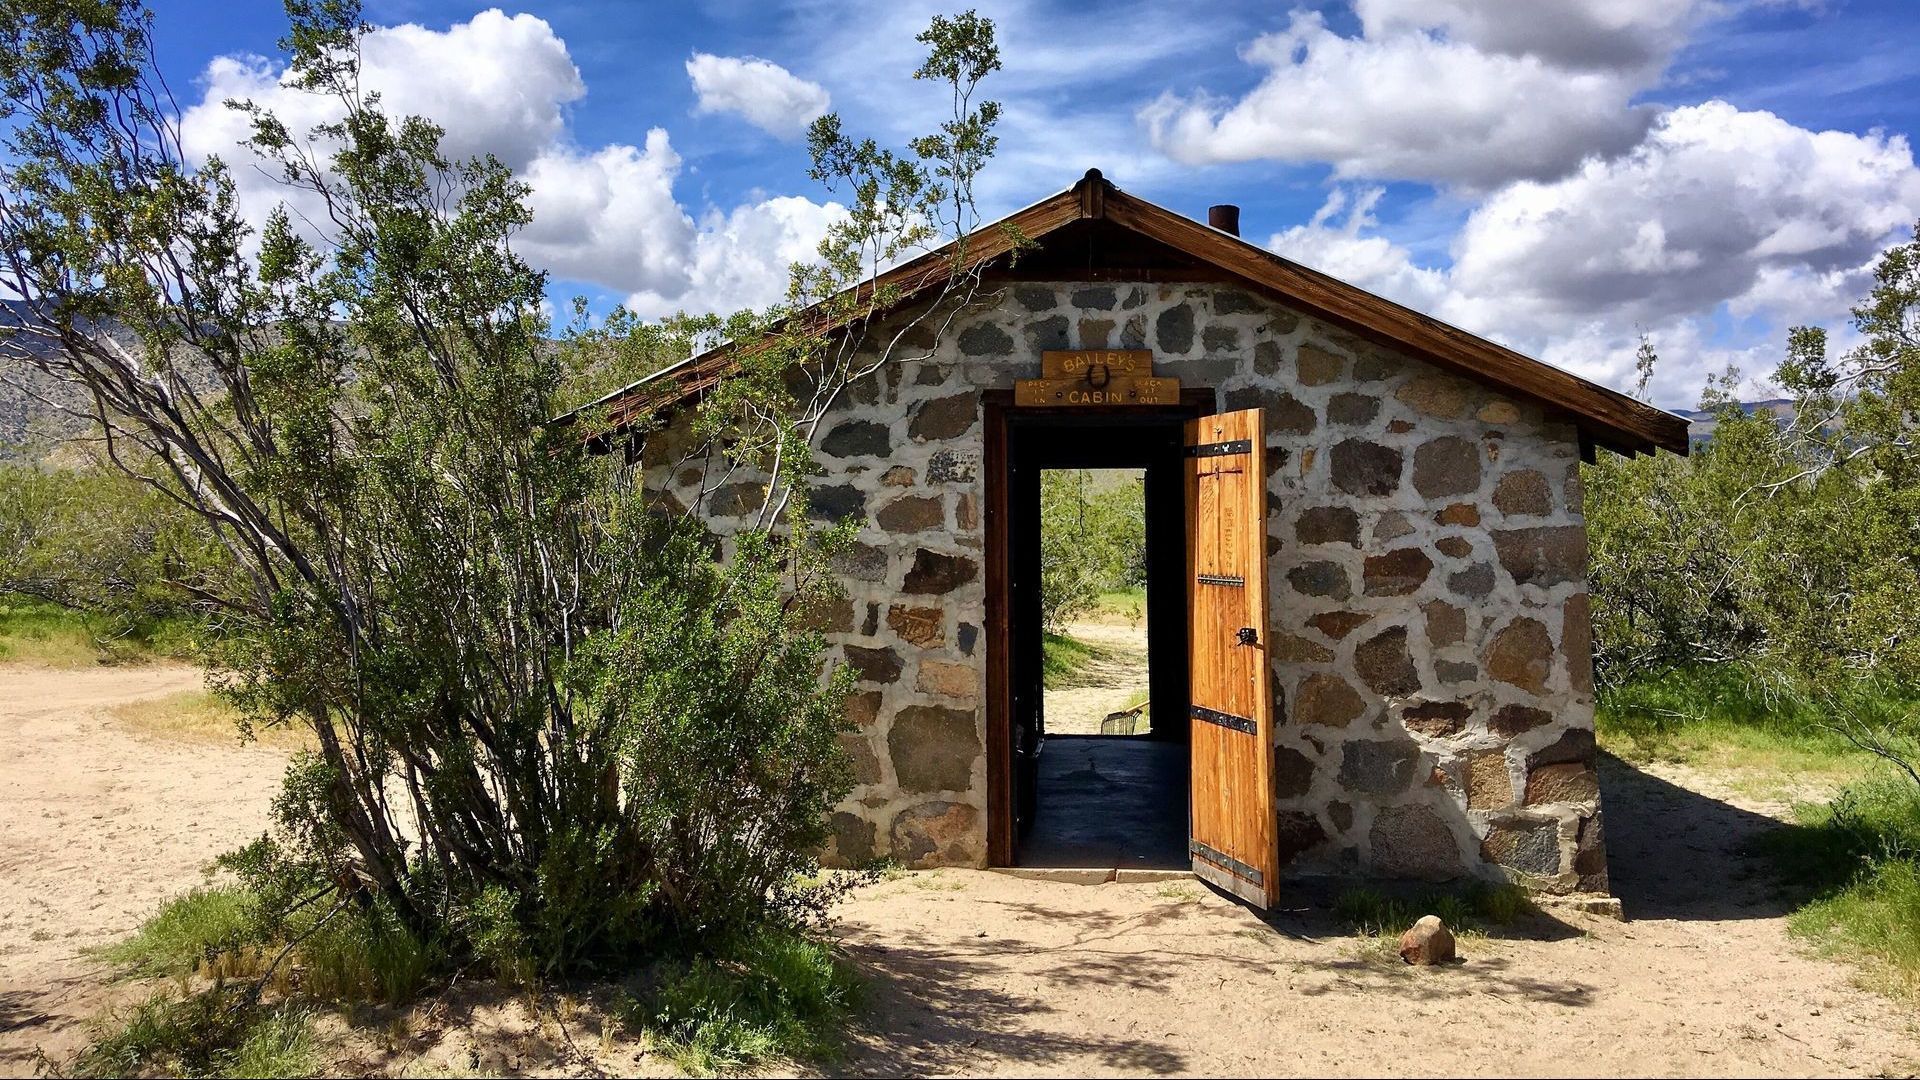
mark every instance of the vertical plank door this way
{"type": "Point", "coordinates": [1232, 816]}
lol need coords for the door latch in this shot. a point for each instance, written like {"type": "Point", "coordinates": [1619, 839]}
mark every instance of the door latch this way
{"type": "Point", "coordinates": [1246, 636]}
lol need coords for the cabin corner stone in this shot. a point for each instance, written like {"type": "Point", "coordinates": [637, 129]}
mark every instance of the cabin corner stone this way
{"type": "Point", "coordinates": [1427, 576]}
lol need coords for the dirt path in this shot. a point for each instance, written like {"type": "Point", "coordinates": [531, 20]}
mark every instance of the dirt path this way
{"type": "Point", "coordinates": [1107, 684]}
{"type": "Point", "coordinates": [979, 973]}
{"type": "Point", "coordinates": [97, 826]}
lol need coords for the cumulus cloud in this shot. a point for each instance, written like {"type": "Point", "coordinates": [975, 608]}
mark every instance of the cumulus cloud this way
{"type": "Point", "coordinates": [1720, 210]}
{"type": "Point", "coordinates": [1408, 105]}
{"type": "Point", "coordinates": [769, 96]}
{"type": "Point", "coordinates": [501, 85]}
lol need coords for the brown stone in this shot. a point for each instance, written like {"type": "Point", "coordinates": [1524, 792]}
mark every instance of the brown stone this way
{"type": "Point", "coordinates": [1338, 624]}
{"type": "Point", "coordinates": [1544, 556]}
{"type": "Point", "coordinates": [917, 625]}
{"type": "Point", "coordinates": [1437, 719]}
{"type": "Point", "coordinates": [1523, 492]}
{"type": "Point", "coordinates": [1446, 466]}
{"type": "Point", "coordinates": [1498, 412]}
{"type": "Point", "coordinates": [873, 665]}
{"type": "Point", "coordinates": [912, 514]}
{"type": "Point", "coordinates": [1293, 649]}
{"type": "Point", "coordinates": [852, 840]}
{"type": "Point", "coordinates": [1383, 663]}
{"type": "Point", "coordinates": [1374, 366]}
{"type": "Point", "coordinates": [933, 748]}
{"type": "Point", "coordinates": [933, 572]}
{"type": "Point", "coordinates": [1446, 624]}
{"type": "Point", "coordinates": [1511, 720]}
{"type": "Point", "coordinates": [1489, 785]}
{"type": "Point", "coordinates": [835, 502]}
{"type": "Point", "coordinates": [829, 615]}
{"type": "Point", "coordinates": [1400, 427]}
{"type": "Point", "coordinates": [1413, 842]}
{"type": "Point", "coordinates": [1328, 525]}
{"type": "Point", "coordinates": [948, 679]}
{"type": "Point", "coordinates": [736, 499]}
{"type": "Point", "coordinates": [1327, 700]}
{"type": "Point", "coordinates": [1365, 468]}
{"type": "Point", "coordinates": [898, 476]}
{"type": "Point", "coordinates": [1525, 843]}
{"type": "Point", "coordinates": [944, 418]}
{"type": "Point", "coordinates": [860, 756]}
{"type": "Point", "coordinates": [1297, 831]}
{"type": "Point", "coordinates": [863, 708]}
{"type": "Point", "coordinates": [1095, 333]}
{"type": "Point", "coordinates": [1576, 643]}
{"type": "Point", "coordinates": [1465, 514]}
{"type": "Point", "coordinates": [1521, 655]}
{"type": "Point", "coordinates": [1396, 573]}
{"type": "Point", "coordinates": [1440, 396]}
{"type": "Point", "coordinates": [1352, 410]}
{"type": "Point", "coordinates": [938, 833]}
{"type": "Point", "coordinates": [1574, 747]}
{"type": "Point", "coordinates": [1590, 855]}
{"type": "Point", "coordinates": [1454, 547]}
{"type": "Point", "coordinates": [1319, 367]}
{"type": "Point", "coordinates": [966, 513]}
{"type": "Point", "coordinates": [1563, 783]}
{"type": "Point", "coordinates": [1320, 579]}
{"type": "Point", "coordinates": [1427, 942]}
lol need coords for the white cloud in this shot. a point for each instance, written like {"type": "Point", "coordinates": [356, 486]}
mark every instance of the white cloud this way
{"type": "Point", "coordinates": [1412, 104]}
{"type": "Point", "coordinates": [501, 85]}
{"type": "Point", "coordinates": [772, 98]}
{"type": "Point", "coordinates": [1721, 212]}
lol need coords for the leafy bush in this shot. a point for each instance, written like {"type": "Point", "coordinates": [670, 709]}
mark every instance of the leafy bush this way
{"type": "Point", "coordinates": [1092, 540]}
{"type": "Point", "coordinates": [773, 994]}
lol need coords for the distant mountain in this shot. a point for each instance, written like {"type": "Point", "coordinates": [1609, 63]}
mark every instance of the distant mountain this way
{"type": "Point", "coordinates": [1701, 422]}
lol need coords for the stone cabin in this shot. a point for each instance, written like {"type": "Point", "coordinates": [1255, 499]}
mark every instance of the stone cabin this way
{"type": "Point", "coordinates": [1426, 639]}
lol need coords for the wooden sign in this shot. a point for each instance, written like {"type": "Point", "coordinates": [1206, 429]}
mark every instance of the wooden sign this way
{"type": "Point", "coordinates": [1081, 363]}
{"type": "Point", "coordinates": [1079, 392]}
{"type": "Point", "coordinates": [1077, 378]}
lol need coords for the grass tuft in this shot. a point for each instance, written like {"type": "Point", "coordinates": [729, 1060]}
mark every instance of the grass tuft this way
{"type": "Point", "coordinates": [203, 1034]}
{"type": "Point", "coordinates": [190, 934]}
{"type": "Point", "coordinates": [34, 632]}
{"type": "Point", "coordinates": [776, 996]}
{"type": "Point", "coordinates": [199, 716]}
{"type": "Point", "coordinates": [1064, 661]}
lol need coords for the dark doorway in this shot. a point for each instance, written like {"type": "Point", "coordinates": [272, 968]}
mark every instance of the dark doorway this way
{"type": "Point", "coordinates": [1089, 800]}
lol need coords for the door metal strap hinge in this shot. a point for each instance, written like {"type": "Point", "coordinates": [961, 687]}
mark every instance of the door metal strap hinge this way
{"type": "Point", "coordinates": [1234, 580]}
{"type": "Point", "coordinates": [1225, 862]}
{"type": "Point", "coordinates": [1225, 720]}
{"type": "Point", "coordinates": [1221, 449]}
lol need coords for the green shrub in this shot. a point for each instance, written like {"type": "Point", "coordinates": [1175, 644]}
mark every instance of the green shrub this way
{"type": "Point", "coordinates": [1857, 859]}
{"type": "Point", "coordinates": [1726, 713]}
{"type": "Point", "coordinates": [773, 995]}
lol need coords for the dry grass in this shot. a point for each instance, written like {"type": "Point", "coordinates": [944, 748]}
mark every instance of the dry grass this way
{"type": "Point", "coordinates": [198, 716]}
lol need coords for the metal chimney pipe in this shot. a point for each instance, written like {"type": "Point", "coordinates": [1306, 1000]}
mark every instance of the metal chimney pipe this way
{"type": "Point", "coordinates": [1225, 217]}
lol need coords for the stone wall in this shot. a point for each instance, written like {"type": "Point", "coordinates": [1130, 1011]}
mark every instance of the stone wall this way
{"type": "Point", "coordinates": [1427, 561]}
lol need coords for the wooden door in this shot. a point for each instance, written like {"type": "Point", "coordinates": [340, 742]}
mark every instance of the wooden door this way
{"type": "Point", "coordinates": [1232, 817]}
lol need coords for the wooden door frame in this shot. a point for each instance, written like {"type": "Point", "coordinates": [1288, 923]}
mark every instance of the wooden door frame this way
{"type": "Point", "coordinates": [997, 410]}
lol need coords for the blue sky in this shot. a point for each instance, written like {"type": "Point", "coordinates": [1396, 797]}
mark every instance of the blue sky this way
{"type": "Point", "coordinates": [1560, 175]}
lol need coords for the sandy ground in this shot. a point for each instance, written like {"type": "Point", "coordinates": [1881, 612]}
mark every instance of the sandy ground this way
{"type": "Point", "coordinates": [979, 973]}
{"type": "Point", "coordinates": [1111, 681]}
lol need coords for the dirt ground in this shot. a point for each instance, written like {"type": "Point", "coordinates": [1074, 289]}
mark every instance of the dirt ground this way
{"type": "Point", "coordinates": [1109, 682]}
{"type": "Point", "coordinates": [978, 973]}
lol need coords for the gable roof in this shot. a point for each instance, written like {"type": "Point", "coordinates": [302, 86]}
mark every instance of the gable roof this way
{"type": "Point", "coordinates": [1186, 249]}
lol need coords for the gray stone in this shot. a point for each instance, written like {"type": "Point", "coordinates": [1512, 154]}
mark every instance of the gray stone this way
{"type": "Point", "coordinates": [1396, 573]}
{"type": "Point", "coordinates": [873, 665]}
{"type": "Point", "coordinates": [1285, 414]}
{"type": "Point", "coordinates": [864, 762]}
{"type": "Point", "coordinates": [1523, 493]}
{"type": "Point", "coordinates": [1528, 844]}
{"type": "Point", "coordinates": [735, 499]}
{"type": "Point", "coordinates": [1318, 366]}
{"type": "Point", "coordinates": [1234, 302]}
{"type": "Point", "coordinates": [1352, 410]}
{"type": "Point", "coordinates": [933, 748]}
{"type": "Point", "coordinates": [1320, 579]}
{"type": "Point", "coordinates": [1392, 526]}
{"type": "Point", "coordinates": [862, 562]}
{"type": "Point", "coordinates": [1328, 525]}
{"type": "Point", "coordinates": [952, 467]}
{"type": "Point", "coordinates": [835, 502]}
{"type": "Point", "coordinates": [857, 438]}
{"type": "Point", "coordinates": [1296, 832]}
{"type": "Point", "coordinates": [1292, 772]}
{"type": "Point", "coordinates": [1576, 747]}
{"type": "Point", "coordinates": [1266, 358]}
{"type": "Point", "coordinates": [1095, 298]}
{"type": "Point", "coordinates": [1034, 297]}
{"type": "Point", "coordinates": [1590, 855]}
{"type": "Point", "coordinates": [934, 572]}
{"type": "Point", "coordinates": [1446, 466]}
{"type": "Point", "coordinates": [1446, 624]}
{"type": "Point", "coordinates": [985, 339]}
{"type": "Point", "coordinates": [1413, 842]}
{"type": "Point", "coordinates": [852, 839]}
{"type": "Point", "coordinates": [1048, 333]}
{"type": "Point", "coordinates": [1133, 334]}
{"type": "Point", "coordinates": [1475, 581]}
{"type": "Point", "coordinates": [967, 634]}
{"type": "Point", "coordinates": [1365, 468]}
{"type": "Point", "coordinates": [1219, 339]}
{"type": "Point", "coordinates": [1378, 768]}
{"type": "Point", "coordinates": [1174, 330]}
{"type": "Point", "coordinates": [943, 418]}
{"type": "Point", "coordinates": [1373, 367]}
{"type": "Point", "coordinates": [1383, 663]}
{"type": "Point", "coordinates": [1544, 556]}
{"type": "Point", "coordinates": [1455, 672]}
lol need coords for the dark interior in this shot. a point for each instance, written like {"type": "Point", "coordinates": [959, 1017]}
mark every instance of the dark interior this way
{"type": "Point", "coordinates": [1100, 800]}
